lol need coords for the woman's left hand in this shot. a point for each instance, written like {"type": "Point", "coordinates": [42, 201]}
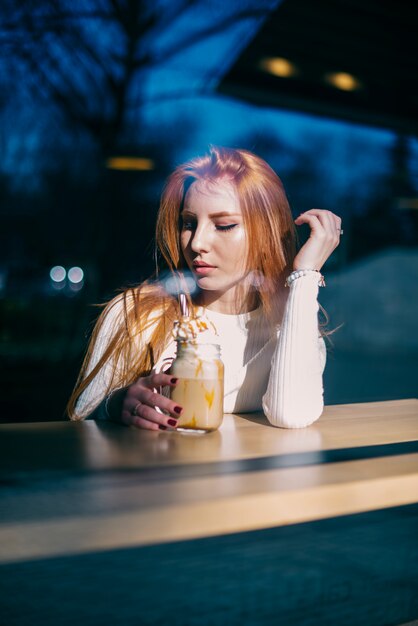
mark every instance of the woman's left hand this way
{"type": "Point", "coordinates": [324, 238]}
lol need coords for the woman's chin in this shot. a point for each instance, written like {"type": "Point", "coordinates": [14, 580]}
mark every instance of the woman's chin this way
{"type": "Point", "coordinates": [205, 282]}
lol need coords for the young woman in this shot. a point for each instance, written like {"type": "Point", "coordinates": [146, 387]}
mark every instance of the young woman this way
{"type": "Point", "coordinates": [225, 218]}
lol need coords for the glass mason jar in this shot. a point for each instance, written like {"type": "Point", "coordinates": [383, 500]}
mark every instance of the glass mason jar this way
{"type": "Point", "coordinates": [200, 388]}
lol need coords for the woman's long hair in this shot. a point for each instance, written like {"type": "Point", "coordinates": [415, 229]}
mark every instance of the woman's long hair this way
{"type": "Point", "coordinates": [272, 241]}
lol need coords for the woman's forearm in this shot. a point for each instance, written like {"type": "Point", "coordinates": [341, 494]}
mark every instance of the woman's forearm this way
{"type": "Point", "coordinates": [294, 396]}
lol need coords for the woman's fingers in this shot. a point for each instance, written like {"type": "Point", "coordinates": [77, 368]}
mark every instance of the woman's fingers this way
{"type": "Point", "coordinates": [322, 241]}
{"type": "Point", "coordinates": [321, 218]}
{"type": "Point", "coordinates": [130, 420]}
{"type": "Point", "coordinates": [323, 225]}
{"type": "Point", "coordinates": [140, 422]}
{"type": "Point", "coordinates": [146, 408]}
{"type": "Point", "coordinates": [159, 380]}
{"type": "Point", "coordinates": [329, 220]}
{"type": "Point", "coordinates": [147, 417]}
{"type": "Point", "coordinates": [147, 397]}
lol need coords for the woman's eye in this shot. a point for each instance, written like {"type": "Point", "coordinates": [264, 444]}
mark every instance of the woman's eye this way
{"type": "Point", "coordinates": [225, 227]}
{"type": "Point", "coordinates": [188, 225]}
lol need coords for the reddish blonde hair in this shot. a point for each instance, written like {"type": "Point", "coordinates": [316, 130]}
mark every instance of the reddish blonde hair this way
{"type": "Point", "coordinates": [272, 238]}
{"type": "Point", "coordinates": [266, 213]}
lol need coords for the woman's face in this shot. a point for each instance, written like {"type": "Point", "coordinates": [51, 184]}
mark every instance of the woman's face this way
{"type": "Point", "coordinates": [214, 242]}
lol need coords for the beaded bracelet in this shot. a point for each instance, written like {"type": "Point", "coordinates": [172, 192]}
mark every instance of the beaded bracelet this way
{"type": "Point", "coordinates": [298, 273]}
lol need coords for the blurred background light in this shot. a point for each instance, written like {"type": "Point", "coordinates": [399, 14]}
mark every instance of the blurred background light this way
{"type": "Point", "coordinates": [130, 163]}
{"type": "Point", "coordinates": [279, 66]}
{"type": "Point", "coordinates": [172, 283]}
{"type": "Point", "coordinates": [76, 287]}
{"type": "Point", "coordinates": [57, 273]}
{"type": "Point", "coordinates": [343, 81]}
{"type": "Point", "coordinates": [75, 275]}
{"type": "Point", "coordinates": [58, 286]}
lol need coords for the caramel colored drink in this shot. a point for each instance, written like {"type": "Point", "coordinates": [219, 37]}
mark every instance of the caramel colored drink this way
{"type": "Point", "coordinates": [200, 388]}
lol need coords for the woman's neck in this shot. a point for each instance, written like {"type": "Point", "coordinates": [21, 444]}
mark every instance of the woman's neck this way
{"type": "Point", "coordinates": [219, 304]}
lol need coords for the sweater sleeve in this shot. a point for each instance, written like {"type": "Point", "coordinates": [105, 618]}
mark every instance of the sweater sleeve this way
{"type": "Point", "coordinates": [294, 396]}
{"type": "Point", "coordinates": [91, 403]}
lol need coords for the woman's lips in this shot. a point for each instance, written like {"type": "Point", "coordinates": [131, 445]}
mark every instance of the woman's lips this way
{"type": "Point", "coordinates": [202, 270]}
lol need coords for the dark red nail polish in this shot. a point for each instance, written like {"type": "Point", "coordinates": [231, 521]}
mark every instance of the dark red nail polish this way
{"type": "Point", "coordinates": [162, 427]}
{"type": "Point", "coordinates": [173, 380]}
{"type": "Point", "coordinates": [178, 409]}
{"type": "Point", "coordinates": [172, 422]}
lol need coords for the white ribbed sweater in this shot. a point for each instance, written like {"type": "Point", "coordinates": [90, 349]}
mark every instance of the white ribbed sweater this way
{"type": "Point", "coordinates": [277, 370]}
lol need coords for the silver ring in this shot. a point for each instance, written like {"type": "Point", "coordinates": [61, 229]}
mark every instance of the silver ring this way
{"type": "Point", "coordinates": [341, 231]}
{"type": "Point", "coordinates": [134, 411]}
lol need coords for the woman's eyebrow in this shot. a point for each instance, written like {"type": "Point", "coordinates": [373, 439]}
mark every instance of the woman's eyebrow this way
{"type": "Point", "coordinates": [225, 214]}
{"type": "Point", "coordinates": [219, 214]}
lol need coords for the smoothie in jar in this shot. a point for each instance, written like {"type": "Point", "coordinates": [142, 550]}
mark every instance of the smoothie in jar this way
{"type": "Point", "coordinates": [200, 388]}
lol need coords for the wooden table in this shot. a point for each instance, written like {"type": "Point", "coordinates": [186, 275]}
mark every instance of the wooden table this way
{"type": "Point", "coordinates": [263, 513]}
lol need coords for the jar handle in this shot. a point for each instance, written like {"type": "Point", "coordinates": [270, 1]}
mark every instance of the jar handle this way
{"type": "Point", "coordinates": [158, 368]}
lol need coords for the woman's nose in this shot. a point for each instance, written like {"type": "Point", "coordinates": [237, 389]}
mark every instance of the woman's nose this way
{"type": "Point", "coordinates": [200, 240]}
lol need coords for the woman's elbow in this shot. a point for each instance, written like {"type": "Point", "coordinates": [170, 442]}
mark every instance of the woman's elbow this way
{"type": "Point", "coordinates": [293, 417]}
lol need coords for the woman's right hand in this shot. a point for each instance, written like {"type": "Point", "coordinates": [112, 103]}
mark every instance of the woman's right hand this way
{"type": "Point", "coordinates": [141, 399]}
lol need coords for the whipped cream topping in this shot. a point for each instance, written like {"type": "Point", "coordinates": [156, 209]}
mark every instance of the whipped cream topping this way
{"type": "Point", "coordinates": [190, 329]}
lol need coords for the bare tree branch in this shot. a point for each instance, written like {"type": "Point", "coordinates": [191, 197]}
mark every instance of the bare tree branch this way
{"type": "Point", "coordinates": [88, 80]}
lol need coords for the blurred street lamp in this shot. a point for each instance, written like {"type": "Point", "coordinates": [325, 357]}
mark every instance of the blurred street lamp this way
{"type": "Point", "coordinates": [343, 81]}
{"type": "Point", "coordinates": [57, 274]}
{"type": "Point", "coordinates": [75, 275]}
{"type": "Point", "coordinates": [130, 163]}
{"type": "Point", "coordinates": [278, 66]}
